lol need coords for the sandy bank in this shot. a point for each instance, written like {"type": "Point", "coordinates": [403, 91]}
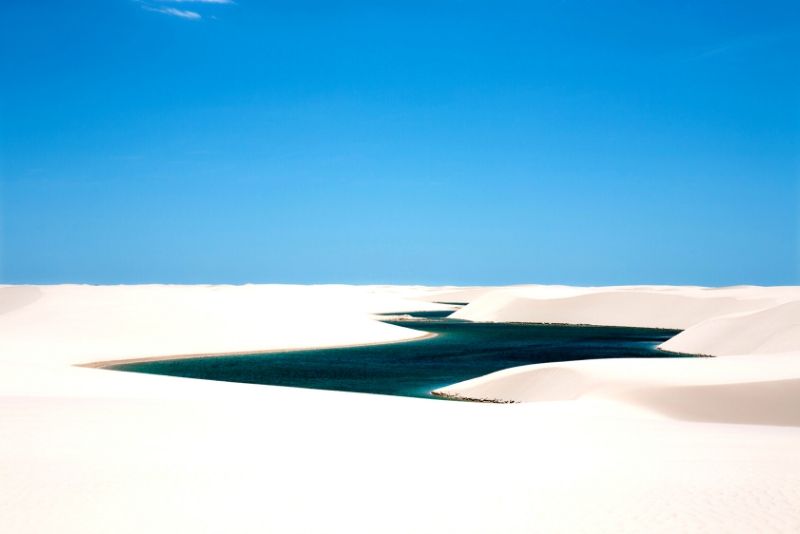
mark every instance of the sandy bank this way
{"type": "Point", "coordinates": [85, 324]}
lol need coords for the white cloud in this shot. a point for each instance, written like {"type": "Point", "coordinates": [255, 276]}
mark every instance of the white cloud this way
{"type": "Point", "coordinates": [158, 6]}
{"type": "Point", "coordinates": [182, 13]}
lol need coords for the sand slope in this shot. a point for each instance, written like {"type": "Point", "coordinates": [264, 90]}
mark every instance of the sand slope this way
{"type": "Point", "coordinates": [81, 324]}
{"type": "Point", "coordinates": [737, 389]}
{"type": "Point", "coordinates": [774, 329]}
{"type": "Point", "coordinates": [645, 306]}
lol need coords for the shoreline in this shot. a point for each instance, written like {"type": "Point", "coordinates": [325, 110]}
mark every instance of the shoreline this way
{"type": "Point", "coordinates": [107, 364]}
{"type": "Point", "coordinates": [593, 325]}
{"type": "Point", "coordinates": [438, 392]}
{"type": "Point", "coordinates": [462, 398]}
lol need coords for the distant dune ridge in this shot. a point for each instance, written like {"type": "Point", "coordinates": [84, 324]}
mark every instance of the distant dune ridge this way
{"type": "Point", "coordinates": [616, 445]}
{"type": "Point", "coordinates": [644, 306]}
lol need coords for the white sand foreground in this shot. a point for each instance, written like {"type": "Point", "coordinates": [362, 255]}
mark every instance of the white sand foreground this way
{"type": "Point", "coordinates": [672, 445]}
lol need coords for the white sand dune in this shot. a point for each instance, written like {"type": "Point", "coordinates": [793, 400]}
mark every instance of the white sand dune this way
{"type": "Point", "coordinates": [774, 329]}
{"type": "Point", "coordinates": [620, 445]}
{"type": "Point", "coordinates": [646, 306]}
{"type": "Point", "coordinates": [737, 389]}
{"type": "Point", "coordinates": [81, 324]}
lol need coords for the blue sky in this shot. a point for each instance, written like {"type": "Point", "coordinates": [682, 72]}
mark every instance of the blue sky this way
{"type": "Point", "coordinates": [400, 142]}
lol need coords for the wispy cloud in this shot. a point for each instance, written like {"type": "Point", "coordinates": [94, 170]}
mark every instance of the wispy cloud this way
{"type": "Point", "coordinates": [162, 6]}
{"type": "Point", "coordinates": [182, 13]}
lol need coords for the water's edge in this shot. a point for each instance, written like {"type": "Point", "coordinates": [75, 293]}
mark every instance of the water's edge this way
{"type": "Point", "coordinates": [451, 351]}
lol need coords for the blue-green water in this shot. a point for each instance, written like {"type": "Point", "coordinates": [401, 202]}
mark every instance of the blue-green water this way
{"type": "Point", "coordinates": [461, 350]}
